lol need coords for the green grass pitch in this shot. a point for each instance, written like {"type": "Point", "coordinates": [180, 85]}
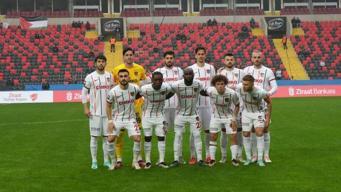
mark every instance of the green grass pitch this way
{"type": "Point", "coordinates": [45, 147]}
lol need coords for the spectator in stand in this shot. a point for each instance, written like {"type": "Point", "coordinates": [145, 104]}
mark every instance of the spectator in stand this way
{"type": "Point", "coordinates": [252, 23]}
{"type": "Point", "coordinates": [45, 85]}
{"type": "Point", "coordinates": [214, 22]}
{"type": "Point", "coordinates": [112, 44]}
{"type": "Point", "coordinates": [284, 42]}
{"type": "Point", "coordinates": [87, 26]}
{"type": "Point", "coordinates": [278, 74]}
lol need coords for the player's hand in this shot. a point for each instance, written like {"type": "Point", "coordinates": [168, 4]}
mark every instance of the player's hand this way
{"type": "Point", "coordinates": [87, 113]}
{"type": "Point", "coordinates": [111, 126]}
{"type": "Point", "coordinates": [267, 123]}
{"type": "Point", "coordinates": [111, 138]}
{"type": "Point", "coordinates": [234, 125]}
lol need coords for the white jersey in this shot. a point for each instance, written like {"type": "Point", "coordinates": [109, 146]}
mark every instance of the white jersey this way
{"type": "Point", "coordinates": [188, 96]}
{"type": "Point", "coordinates": [234, 76]}
{"type": "Point", "coordinates": [171, 75]}
{"type": "Point", "coordinates": [264, 78]}
{"type": "Point", "coordinates": [154, 100]}
{"type": "Point", "coordinates": [123, 102]}
{"type": "Point", "coordinates": [253, 100]}
{"type": "Point", "coordinates": [222, 103]}
{"type": "Point", "coordinates": [98, 85]}
{"type": "Point", "coordinates": [204, 75]}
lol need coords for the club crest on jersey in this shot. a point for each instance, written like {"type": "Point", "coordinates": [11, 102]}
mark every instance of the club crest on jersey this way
{"type": "Point", "coordinates": [226, 99]}
{"type": "Point", "coordinates": [175, 72]}
{"type": "Point", "coordinates": [262, 74]}
{"type": "Point", "coordinates": [132, 93]}
{"type": "Point", "coordinates": [136, 73]}
{"type": "Point", "coordinates": [163, 92]}
{"type": "Point", "coordinates": [108, 79]}
{"type": "Point", "coordinates": [208, 70]}
{"type": "Point", "coordinates": [195, 89]}
{"type": "Point", "coordinates": [236, 74]}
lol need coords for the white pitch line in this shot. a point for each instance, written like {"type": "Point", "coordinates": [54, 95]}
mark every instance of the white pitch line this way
{"type": "Point", "coordinates": [42, 122]}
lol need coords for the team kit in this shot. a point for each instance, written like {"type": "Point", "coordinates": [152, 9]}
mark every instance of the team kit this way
{"type": "Point", "coordinates": [230, 102]}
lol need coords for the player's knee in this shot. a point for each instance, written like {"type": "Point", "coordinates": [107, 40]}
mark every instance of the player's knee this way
{"type": "Point", "coordinates": [160, 138]}
{"type": "Point", "coordinates": [137, 138]}
{"type": "Point", "coordinates": [213, 136]}
{"type": "Point", "coordinates": [148, 138]}
{"type": "Point", "coordinates": [246, 134]}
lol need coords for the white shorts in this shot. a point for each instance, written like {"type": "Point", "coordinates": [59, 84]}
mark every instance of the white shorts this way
{"type": "Point", "coordinates": [180, 122]}
{"type": "Point", "coordinates": [170, 117]}
{"type": "Point", "coordinates": [205, 117]}
{"type": "Point", "coordinates": [98, 126]}
{"type": "Point", "coordinates": [250, 120]}
{"type": "Point", "coordinates": [217, 124]}
{"type": "Point", "coordinates": [131, 126]}
{"type": "Point", "coordinates": [158, 122]}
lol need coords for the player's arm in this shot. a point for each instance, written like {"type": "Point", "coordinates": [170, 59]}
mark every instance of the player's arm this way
{"type": "Point", "coordinates": [235, 111]}
{"type": "Point", "coordinates": [169, 95]}
{"type": "Point", "coordinates": [111, 125]}
{"type": "Point", "coordinates": [203, 92]}
{"type": "Point", "coordinates": [85, 91]}
{"type": "Point", "coordinates": [268, 101]}
{"type": "Point", "coordinates": [273, 83]}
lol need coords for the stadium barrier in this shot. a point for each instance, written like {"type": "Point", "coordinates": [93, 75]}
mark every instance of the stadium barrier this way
{"type": "Point", "coordinates": [66, 96]}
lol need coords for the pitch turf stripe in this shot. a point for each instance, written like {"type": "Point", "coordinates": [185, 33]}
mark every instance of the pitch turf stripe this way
{"type": "Point", "coordinates": [42, 122]}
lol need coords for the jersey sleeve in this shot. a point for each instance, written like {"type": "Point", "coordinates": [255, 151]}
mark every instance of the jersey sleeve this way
{"type": "Point", "coordinates": [262, 93]}
{"type": "Point", "coordinates": [213, 72]}
{"type": "Point", "coordinates": [209, 90]}
{"type": "Point", "coordinates": [143, 90]}
{"type": "Point", "coordinates": [110, 97]}
{"type": "Point", "coordinates": [181, 73]}
{"type": "Point", "coordinates": [87, 82]}
{"type": "Point", "coordinates": [273, 83]}
{"type": "Point", "coordinates": [235, 98]}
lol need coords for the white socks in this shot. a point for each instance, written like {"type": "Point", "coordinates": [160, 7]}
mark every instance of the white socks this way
{"type": "Point", "coordinates": [213, 148]}
{"type": "Point", "coordinates": [260, 147]}
{"type": "Point", "coordinates": [93, 148]}
{"type": "Point", "coordinates": [254, 144]}
{"type": "Point", "coordinates": [162, 148]}
{"type": "Point", "coordinates": [223, 144]}
{"type": "Point", "coordinates": [147, 150]}
{"type": "Point", "coordinates": [247, 146]}
{"type": "Point", "coordinates": [266, 143]}
{"type": "Point", "coordinates": [136, 150]}
{"type": "Point", "coordinates": [234, 150]}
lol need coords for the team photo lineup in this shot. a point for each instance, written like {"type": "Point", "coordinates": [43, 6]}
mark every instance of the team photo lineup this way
{"type": "Point", "coordinates": [228, 103]}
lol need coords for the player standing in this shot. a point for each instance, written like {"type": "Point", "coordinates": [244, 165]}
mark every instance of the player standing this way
{"type": "Point", "coordinates": [253, 115]}
{"type": "Point", "coordinates": [234, 76]}
{"type": "Point", "coordinates": [136, 76]}
{"type": "Point", "coordinates": [171, 74]}
{"type": "Point", "coordinates": [265, 79]}
{"type": "Point", "coordinates": [155, 95]}
{"type": "Point", "coordinates": [97, 85]}
{"type": "Point", "coordinates": [187, 91]}
{"type": "Point", "coordinates": [122, 98]}
{"type": "Point", "coordinates": [225, 116]}
{"type": "Point", "coordinates": [204, 73]}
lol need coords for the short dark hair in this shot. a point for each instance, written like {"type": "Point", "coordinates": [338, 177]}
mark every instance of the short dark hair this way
{"type": "Point", "coordinates": [229, 54]}
{"type": "Point", "coordinates": [169, 53]}
{"type": "Point", "coordinates": [123, 71]}
{"type": "Point", "coordinates": [249, 78]}
{"type": "Point", "coordinates": [128, 49]}
{"type": "Point", "coordinates": [101, 57]}
{"type": "Point", "coordinates": [200, 48]}
{"type": "Point", "coordinates": [219, 78]}
{"type": "Point", "coordinates": [156, 73]}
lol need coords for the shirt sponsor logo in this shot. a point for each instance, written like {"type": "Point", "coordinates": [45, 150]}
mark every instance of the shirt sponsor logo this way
{"type": "Point", "coordinates": [98, 87]}
{"type": "Point", "coordinates": [126, 102]}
